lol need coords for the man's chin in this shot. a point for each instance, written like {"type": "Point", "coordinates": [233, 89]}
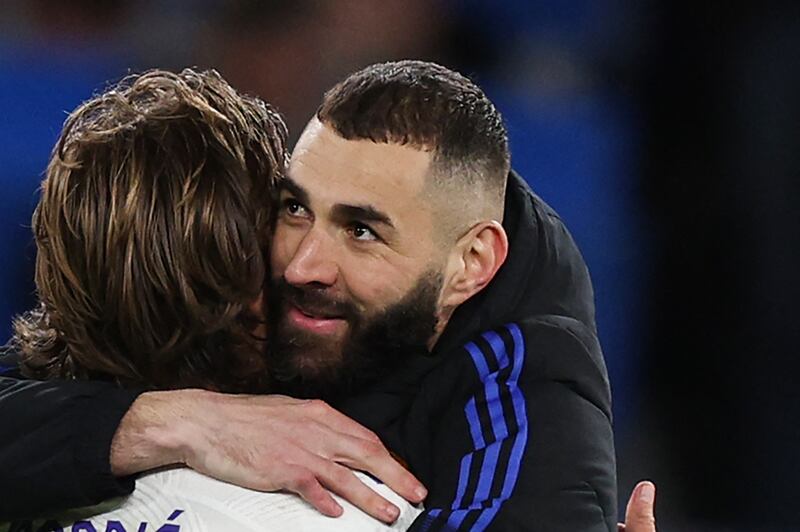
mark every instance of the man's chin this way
{"type": "Point", "coordinates": [312, 377]}
{"type": "Point", "coordinates": [306, 356]}
{"type": "Point", "coordinates": [316, 366]}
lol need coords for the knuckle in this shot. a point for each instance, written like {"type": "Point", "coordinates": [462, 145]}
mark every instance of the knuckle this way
{"type": "Point", "coordinates": [371, 449]}
{"type": "Point", "coordinates": [304, 482]}
{"type": "Point", "coordinates": [318, 406]}
{"type": "Point", "coordinates": [371, 436]}
{"type": "Point", "coordinates": [342, 477]}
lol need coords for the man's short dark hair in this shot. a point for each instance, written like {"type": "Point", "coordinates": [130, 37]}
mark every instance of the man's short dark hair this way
{"type": "Point", "coordinates": [151, 235]}
{"type": "Point", "coordinates": [426, 106]}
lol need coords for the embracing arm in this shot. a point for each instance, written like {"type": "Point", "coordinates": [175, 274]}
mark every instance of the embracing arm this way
{"type": "Point", "coordinates": [54, 444]}
{"type": "Point", "coordinates": [66, 444]}
{"type": "Point", "coordinates": [266, 443]}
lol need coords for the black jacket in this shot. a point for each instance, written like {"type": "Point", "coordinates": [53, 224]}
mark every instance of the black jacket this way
{"type": "Point", "coordinates": [507, 422]}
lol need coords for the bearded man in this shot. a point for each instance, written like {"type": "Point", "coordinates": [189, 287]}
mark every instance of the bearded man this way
{"type": "Point", "coordinates": [421, 287]}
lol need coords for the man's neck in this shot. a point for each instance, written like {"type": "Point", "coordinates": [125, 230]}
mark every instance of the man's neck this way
{"type": "Point", "coordinates": [441, 325]}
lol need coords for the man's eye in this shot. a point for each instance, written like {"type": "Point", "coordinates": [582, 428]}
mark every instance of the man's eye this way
{"type": "Point", "coordinates": [363, 233]}
{"type": "Point", "coordinates": [294, 208]}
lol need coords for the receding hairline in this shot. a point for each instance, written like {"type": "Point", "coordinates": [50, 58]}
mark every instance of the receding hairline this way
{"type": "Point", "coordinates": [429, 107]}
{"type": "Point", "coordinates": [478, 198]}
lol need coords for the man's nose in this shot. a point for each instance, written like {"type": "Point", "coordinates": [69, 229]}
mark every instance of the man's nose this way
{"type": "Point", "coordinates": [313, 262]}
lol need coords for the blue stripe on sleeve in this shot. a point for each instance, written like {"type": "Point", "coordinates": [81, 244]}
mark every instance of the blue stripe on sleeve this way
{"type": "Point", "coordinates": [521, 437]}
{"type": "Point", "coordinates": [497, 434]}
{"type": "Point", "coordinates": [474, 424]}
{"type": "Point", "coordinates": [499, 426]}
{"type": "Point", "coordinates": [463, 477]}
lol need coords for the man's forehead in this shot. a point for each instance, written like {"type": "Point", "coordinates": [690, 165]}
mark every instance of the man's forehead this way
{"type": "Point", "coordinates": [324, 162]}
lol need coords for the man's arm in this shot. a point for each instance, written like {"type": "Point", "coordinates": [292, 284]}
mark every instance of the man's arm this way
{"type": "Point", "coordinates": [530, 446]}
{"type": "Point", "coordinates": [266, 443]}
{"type": "Point", "coordinates": [66, 444]}
{"type": "Point", "coordinates": [54, 442]}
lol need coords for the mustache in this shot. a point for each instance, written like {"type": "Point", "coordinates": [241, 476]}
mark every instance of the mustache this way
{"type": "Point", "coordinates": [313, 301]}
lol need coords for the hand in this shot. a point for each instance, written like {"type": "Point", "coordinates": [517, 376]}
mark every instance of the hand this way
{"type": "Point", "coordinates": [639, 516]}
{"type": "Point", "coordinates": [266, 443]}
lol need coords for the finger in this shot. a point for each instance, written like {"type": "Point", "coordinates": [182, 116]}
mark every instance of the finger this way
{"type": "Point", "coordinates": [304, 483]}
{"type": "Point", "coordinates": [344, 483]}
{"type": "Point", "coordinates": [640, 516]}
{"type": "Point", "coordinates": [620, 527]}
{"type": "Point", "coordinates": [359, 448]}
{"type": "Point", "coordinates": [373, 458]}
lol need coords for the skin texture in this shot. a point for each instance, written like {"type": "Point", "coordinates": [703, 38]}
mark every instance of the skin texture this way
{"type": "Point", "coordinates": [374, 263]}
{"type": "Point", "coordinates": [325, 239]}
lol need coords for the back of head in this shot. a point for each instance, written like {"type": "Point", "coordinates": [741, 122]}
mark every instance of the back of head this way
{"type": "Point", "coordinates": [151, 232]}
{"type": "Point", "coordinates": [431, 108]}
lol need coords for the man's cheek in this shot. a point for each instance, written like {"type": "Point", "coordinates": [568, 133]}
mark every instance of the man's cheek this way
{"type": "Point", "coordinates": [374, 291]}
{"type": "Point", "coordinates": [371, 280]}
{"type": "Point", "coordinates": [282, 250]}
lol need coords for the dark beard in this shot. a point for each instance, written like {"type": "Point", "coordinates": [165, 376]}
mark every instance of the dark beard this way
{"type": "Point", "coordinates": [306, 365]}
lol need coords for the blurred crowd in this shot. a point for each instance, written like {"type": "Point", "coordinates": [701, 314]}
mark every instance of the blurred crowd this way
{"type": "Point", "coordinates": [665, 134]}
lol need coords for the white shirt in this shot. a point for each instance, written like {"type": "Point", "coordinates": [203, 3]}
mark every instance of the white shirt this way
{"type": "Point", "coordinates": [184, 500]}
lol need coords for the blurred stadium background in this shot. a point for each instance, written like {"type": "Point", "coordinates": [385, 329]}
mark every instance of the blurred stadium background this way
{"type": "Point", "coordinates": [664, 132]}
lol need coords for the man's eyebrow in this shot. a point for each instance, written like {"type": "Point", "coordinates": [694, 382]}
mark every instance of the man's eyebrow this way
{"type": "Point", "coordinates": [295, 189]}
{"type": "Point", "coordinates": [365, 213]}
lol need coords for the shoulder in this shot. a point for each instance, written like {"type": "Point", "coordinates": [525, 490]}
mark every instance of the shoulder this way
{"type": "Point", "coordinates": [565, 405]}
{"type": "Point", "coordinates": [9, 361]}
{"type": "Point", "coordinates": [537, 351]}
{"type": "Point", "coordinates": [535, 419]}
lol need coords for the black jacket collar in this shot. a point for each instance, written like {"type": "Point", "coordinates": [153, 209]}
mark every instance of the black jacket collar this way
{"type": "Point", "coordinates": [544, 273]}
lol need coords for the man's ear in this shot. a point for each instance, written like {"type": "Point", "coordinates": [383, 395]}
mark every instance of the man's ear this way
{"type": "Point", "coordinates": [474, 262]}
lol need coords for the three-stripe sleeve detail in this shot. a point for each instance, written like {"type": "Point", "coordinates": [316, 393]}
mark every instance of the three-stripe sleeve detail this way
{"type": "Point", "coordinates": [498, 427]}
